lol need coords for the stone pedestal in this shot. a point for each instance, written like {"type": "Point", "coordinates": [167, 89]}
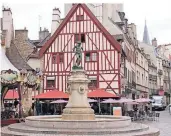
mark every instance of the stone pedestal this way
{"type": "Point", "coordinates": [78, 107]}
{"type": "Point", "coordinates": [26, 100]}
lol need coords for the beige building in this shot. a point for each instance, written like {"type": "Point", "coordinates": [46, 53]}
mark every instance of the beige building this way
{"type": "Point", "coordinates": [166, 74]}
{"type": "Point", "coordinates": [152, 77]}
{"type": "Point", "coordinates": [142, 73]}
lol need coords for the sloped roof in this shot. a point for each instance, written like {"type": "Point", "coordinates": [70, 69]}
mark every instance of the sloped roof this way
{"type": "Point", "coordinates": [113, 42]}
{"type": "Point", "coordinates": [15, 58]}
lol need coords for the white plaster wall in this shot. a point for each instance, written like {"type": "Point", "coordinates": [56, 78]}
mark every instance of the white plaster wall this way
{"type": "Point", "coordinates": [67, 8]}
{"type": "Point", "coordinates": [149, 49]}
{"type": "Point", "coordinates": [34, 63]}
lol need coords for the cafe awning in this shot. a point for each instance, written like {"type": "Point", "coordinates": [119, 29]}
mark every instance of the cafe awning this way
{"type": "Point", "coordinates": [55, 94]}
{"type": "Point", "coordinates": [100, 93]}
{"type": "Point", "coordinates": [11, 94]}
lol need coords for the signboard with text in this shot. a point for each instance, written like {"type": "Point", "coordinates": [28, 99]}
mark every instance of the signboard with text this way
{"type": "Point", "coordinates": [117, 111]}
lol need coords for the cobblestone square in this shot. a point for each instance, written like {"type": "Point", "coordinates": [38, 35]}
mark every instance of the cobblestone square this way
{"type": "Point", "coordinates": [164, 123]}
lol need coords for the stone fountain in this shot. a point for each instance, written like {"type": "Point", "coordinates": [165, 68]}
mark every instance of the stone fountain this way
{"type": "Point", "coordinates": [78, 118]}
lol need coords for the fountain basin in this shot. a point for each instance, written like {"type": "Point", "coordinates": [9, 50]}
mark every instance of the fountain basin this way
{"type": "Point", "coordinates": [55, 121]}
{"type": "Point", "coordinates": [55, 126]}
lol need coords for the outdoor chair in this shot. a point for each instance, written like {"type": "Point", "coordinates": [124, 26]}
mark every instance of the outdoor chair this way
{"type": "Point", "coordinates": [157, 116]}
{"type": "Point", "coordinates": [142, 117]}
{"type": "Point", "coordinates": [132, 115]}
{"type": "Point", "coordinates": [150, 117]}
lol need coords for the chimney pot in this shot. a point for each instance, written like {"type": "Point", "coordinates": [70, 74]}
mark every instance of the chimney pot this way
{"type": "Point", "coordinates": [154, 42]}
{"type": "Point", "coordinates": [55, 20]}
{"type": "Point", "coordinates": [21, 34]}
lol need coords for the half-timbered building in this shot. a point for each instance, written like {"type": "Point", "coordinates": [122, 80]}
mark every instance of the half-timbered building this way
{"type": "Point", "coordinates": [101, 52]}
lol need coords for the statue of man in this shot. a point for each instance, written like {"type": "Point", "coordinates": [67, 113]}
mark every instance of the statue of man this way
{"type": "Point", "coordinates": [78, 51]}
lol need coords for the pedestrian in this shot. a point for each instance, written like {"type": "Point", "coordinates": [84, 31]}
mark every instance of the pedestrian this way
{"type": "Point", "coordinates": [38, 107]}
{"type": "Point", "coordinates": [16, 103]}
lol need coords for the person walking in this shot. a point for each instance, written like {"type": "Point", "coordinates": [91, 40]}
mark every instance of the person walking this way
{"type": "Point", "coordinates": [38, 107]}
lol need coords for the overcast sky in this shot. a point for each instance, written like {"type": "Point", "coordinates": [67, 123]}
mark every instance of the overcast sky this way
{"type": "Point", "coordinates": [156, 12]}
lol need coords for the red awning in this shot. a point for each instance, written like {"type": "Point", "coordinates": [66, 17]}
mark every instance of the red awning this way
{"type": "Point", "coordinates": [101, 94]}
{"type": "Point", "coordinates": [161, 92]}
{"type": "Point", "coordinates": [52, 95]}
{"type": "Point", "coordinates": [11, 94]}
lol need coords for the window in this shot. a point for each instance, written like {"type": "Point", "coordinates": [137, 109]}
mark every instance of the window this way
{"type": "Point", "coordinates": [50, 82]}
{"type": "Point", "coordinates": [61, 57]}
{"type": "Point", "coordinates": [125, 72]}
{"type": "Point", "coordinates": [77, 38]}
{"type": "Point", "coordinates": [87, 56]}
{"type": "Point", "coordinates": [80, 17]}
{"type": "Point", "coordinates": [80, 38]}
{"type": "Point", "coordinates": [94, 56]}
{"type": "Point", "coordinates": [90, 56]}
{"type": "Point", "coordinates": [93, 82]}
{"type": "Point", "coordinates": [54, 58]}
{"type": "Point", "coordinates": [136, 56]}
{"type": "Point", "coordinates": [83, 38]}
{"type": "Point", "coordinates": [57, 58]}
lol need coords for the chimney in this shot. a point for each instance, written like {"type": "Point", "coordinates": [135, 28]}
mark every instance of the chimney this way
{"type": "Point", "coordinates": [7, 25]}
{"type": "Point", "coordinates": [43, 33]}
{"type": "Point", "coordinates": [154, 42]}
{"type": "Point", "coordinates": [22, 34]}
{"type": "Point", "coordinates": [55, 20]}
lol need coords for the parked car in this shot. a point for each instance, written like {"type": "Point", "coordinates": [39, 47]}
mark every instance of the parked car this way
{"type": "Point", "coordinates": [158, 102]}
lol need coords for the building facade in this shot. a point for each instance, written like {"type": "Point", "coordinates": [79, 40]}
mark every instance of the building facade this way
{"type": "Point", "coordinates": [142, 73]}
{"type": "Point", "coordinates": [152, 78]}
{"type": "Point", "coordinates": [101, 52]}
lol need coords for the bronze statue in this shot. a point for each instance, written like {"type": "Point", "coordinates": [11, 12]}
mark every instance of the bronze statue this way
{"type": "Point", "coordinates": [78, 52]}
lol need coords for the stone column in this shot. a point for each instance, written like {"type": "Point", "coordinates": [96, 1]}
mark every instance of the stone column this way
{"type": "Point", "coordinates": [26, 100]}
{"type": "Point", "coordinates": [78, 107]}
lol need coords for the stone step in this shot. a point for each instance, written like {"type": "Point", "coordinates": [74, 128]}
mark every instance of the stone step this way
{"type": "Point", "coordinates": [150, 132]}
{"type": "Point", "coordinates": [23, 129]}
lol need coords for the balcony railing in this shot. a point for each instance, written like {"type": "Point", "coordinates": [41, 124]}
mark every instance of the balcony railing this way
{"type": "Point", "coordinates": [165, 64]}
{"type": "Point", "coordinates": [152, 77]}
